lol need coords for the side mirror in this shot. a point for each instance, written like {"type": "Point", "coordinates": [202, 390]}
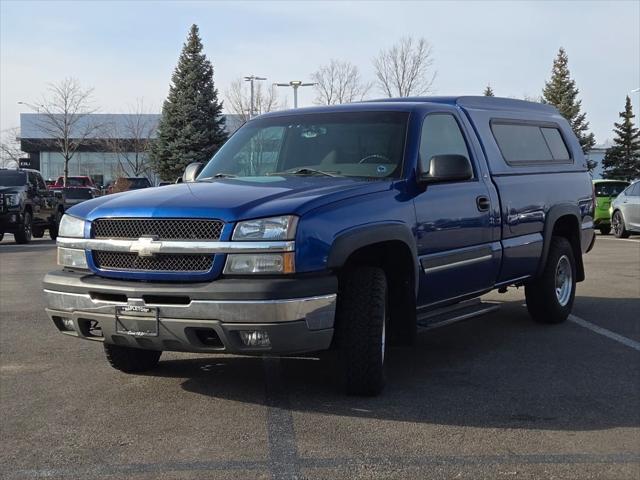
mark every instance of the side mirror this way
{"type": "Point", "coordinates": [447, 168]}
{"type": "Point", "coordinates": [192, 171]}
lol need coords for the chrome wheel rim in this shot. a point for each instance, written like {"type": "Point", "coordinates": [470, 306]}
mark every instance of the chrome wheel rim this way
{"type": "Point", "coordinates": [564, 280]}
{"type": "Point", "coordinates": [27, 227]}
{"type": "Point", "coordinates": [617, 223]}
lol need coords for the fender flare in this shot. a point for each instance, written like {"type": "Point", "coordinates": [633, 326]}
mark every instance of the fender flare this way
{"type": "Point", "coordinates": [554, 214]}
{"type": "Point", "coordinates": [356, 238]}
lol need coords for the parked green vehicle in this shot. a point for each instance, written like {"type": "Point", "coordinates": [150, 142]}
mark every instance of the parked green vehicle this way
{"type": "Point", "coordinates": [606, 191]}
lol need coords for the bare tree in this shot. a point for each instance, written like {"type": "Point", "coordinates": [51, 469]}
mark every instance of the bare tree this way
{"type": "Point", "coordinates": [406, 68]}
{"type": "Point", "coordinates": [239, 99]}
{"type": "Point", "coordinates": [65, 118]}
{"type": "Point", "coordinates": [10, 152]}
{"type": "Point", "coordinates": [131, 140]}
{"type": "Point", "coordinates": [339, 82]}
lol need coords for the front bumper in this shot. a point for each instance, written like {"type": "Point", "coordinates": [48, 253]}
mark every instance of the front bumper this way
{"type": "Point", "coordinates": [10, 220]}
{"type": "Point", "coordinates": [297, 314]}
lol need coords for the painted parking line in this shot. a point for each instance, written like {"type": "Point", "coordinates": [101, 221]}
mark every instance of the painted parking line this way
{"type": "Point", "coordinates": [614, 239]}
{"type": "Point", "coordinates": [604, 332]}
{"type": "Point", "coordinates": [34, 245]}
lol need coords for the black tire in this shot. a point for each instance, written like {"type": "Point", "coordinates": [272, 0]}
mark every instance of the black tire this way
{"type": "Point", "coordinates": [546, 301]}
{"type": "Point", "coordinates": [605, 230]}
{"type": "Point", "coordinates": [131, 360]}
{"type": "Point", "coordinates": [24, 231]}
{"type": "Point", "coordinates": [37, 232]}
{"type": "Point", "coordinates": [53, 229]}
{"type": "Point", "coordinates": [1, 236]}
{"type": "Point", "coordinates": [619, 228]}
{"type": "Point", "coordinates": [361, 320]}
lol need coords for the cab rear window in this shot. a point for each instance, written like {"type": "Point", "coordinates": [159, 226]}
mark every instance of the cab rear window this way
{"type": "Point", "coordinates": [526, 144]}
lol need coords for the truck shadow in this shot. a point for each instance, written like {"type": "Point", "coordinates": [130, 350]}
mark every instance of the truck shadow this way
{"type": "Point", "coordinates": [497, 371]}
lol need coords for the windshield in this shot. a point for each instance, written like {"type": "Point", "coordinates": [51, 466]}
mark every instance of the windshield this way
{"type": "Point", "coordinates": [610, 189]}
{"type": "Point", "coordinates": [352, 144]}
{"type": "Point", "coordinates": [77, 193]}
{"type": "Point", "coordinates": [12, 178]}
{"type": "Point", "coordinates": [75, 181]}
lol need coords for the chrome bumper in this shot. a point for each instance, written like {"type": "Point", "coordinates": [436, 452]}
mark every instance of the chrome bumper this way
{"type": "Point", "coordinates": [318, 311]}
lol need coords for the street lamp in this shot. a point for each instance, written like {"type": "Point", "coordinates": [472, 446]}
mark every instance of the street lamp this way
{"type": "Point", "coordinates": [251, 79]}
{"type": "Point", "coordinates": [295, 84]}
{"type": "Point", "coordinates": [31, 106]}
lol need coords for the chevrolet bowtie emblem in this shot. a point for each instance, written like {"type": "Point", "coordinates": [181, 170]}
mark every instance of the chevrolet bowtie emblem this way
{"type": "Point", "coordinates": [145, 247]}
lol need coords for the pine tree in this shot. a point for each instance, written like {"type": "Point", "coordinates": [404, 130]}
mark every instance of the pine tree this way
{"type": "Point", "coordinates": [622, 160]}
{"type": "Point", "coordinates": [561, 92]}
{"type": "Point", "coordinates": [192, 126]}
{"type": "Point", "coordinates": [488, 92]}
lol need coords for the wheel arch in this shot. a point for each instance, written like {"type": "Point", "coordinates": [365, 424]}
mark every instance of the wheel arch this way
{"type": "Point", "coordinates": [563, 221]}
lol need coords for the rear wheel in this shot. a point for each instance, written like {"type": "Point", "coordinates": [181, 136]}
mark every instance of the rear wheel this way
{"type": "Point", "coordinates": [550, 297]}
{"type": "Point", "coordinates": [362, 317]}
{"type": "Point", "coordinates": [605, 230]}
{"type": "Point", "coordinates": [617, 222]}
{"type": "Point", "coordinates": [37, 232]}
{"type": "Point", "coordinates": [131, 360]}
{"type": "Point", "coordinates": [23, 233]}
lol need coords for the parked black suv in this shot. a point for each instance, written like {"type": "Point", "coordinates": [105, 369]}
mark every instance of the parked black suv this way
{"type": "Point", "coordinates": [27, 207]}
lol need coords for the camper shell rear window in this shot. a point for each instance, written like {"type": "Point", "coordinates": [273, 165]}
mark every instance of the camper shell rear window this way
{"type": "Point", "coordinates": [525, 143]}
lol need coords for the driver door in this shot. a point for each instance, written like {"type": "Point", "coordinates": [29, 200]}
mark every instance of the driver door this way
{"type": "Point", "coordinates": [458, 239]}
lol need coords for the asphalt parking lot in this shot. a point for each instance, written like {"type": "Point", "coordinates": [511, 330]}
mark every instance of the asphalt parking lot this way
{"type": "Point", "coordinates": [493, 397]}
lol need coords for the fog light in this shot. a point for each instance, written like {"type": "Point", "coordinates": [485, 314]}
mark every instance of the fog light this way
{"type": "Point", "coordinates": [255, 338]}
{"type": "Point", "coordinates": [67, 323]}
{"type": "Point", "coordinates": [72, 257]}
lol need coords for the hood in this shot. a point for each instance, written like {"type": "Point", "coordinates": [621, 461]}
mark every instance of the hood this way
{"type": "Point", "coordinates": [229, 199]}
{"type": "Point", "coordinates": [17, 189]}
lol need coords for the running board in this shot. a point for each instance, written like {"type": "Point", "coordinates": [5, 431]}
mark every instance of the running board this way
{"type": "Point", "coordinates": [444, 316]}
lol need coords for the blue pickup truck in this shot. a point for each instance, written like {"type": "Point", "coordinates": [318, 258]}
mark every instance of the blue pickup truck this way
{"type": "Point", "coordinates": [333, 227]}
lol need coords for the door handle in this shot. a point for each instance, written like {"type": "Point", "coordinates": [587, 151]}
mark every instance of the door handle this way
{"type": "Point", "coordinates": [483, 203]}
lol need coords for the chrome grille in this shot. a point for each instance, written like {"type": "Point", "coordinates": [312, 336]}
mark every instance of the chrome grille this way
{"type": "Point", "coordinates": [164, 229]}
{"type": "Point", "coordinates": [159, 263]}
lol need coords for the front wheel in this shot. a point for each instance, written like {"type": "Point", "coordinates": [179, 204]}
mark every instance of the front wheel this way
{"type": "Point", "coordinates": [362, 317]}
{"type": "Point", "coordinates": [131, 360]}
{"type": "Point", "coordinates": [23, 233]}
{"type": "Point", "coordinates": [550, 297]}
{"type": "Point", "coordinates": [53, 229]}
{"type": "Point", "coordinates": [619, 229]}
{"type": "Point", "coordinates": [605, 230]}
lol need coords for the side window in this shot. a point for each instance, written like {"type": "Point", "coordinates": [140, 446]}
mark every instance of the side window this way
{"type": "Point", "coordinates": [634, 191]}
{"type": "Point", "coordinates": [31, 180]}
{"type": "Point", "coordinates": [40, 182]}
{"type": "Point", "coordinates": [441, 135]}
{"type": "Point", "coordinates": [526, 144]}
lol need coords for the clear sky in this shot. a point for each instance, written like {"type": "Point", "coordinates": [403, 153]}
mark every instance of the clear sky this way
{"type": "Point", "coordinates": [127, 50]}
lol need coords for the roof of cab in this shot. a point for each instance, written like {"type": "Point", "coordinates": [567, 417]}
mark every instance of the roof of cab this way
{"type": "Point", "coordinates": [411, 103]}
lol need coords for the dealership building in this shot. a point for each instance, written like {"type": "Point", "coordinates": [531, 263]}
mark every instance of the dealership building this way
{"type": "Point", "coordinates": [97, 156]}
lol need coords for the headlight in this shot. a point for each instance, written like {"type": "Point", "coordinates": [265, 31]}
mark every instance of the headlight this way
{"type": "Point", "coordinates": [71, 227]}
{"type": "Point", "coordinates": [264, 263]}
{"type": "Point", "coordinates": [72, 257]}
{"type": "Point", "coordinates": [13, 199]}
{"type": "Point", "coordinates": [269, 229]}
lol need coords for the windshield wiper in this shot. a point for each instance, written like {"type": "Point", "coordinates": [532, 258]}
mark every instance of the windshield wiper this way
{"type": "Point", "coordinates": [221, 175]}
{"type": "Point", "coordinates": [305, 171]}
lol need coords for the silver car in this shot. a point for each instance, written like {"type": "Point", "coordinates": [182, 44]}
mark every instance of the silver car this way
{"type": "Point", "coordinates": [625, 211]}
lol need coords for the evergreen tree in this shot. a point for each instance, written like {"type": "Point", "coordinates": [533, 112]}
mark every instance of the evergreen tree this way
{"type": "Point", "coordinates": [488, 92]}
{"type": "Point", "coordinates": [622, 160]}
{"type": "Point", "coordinates": [561, 92]}
{"type": "Point", "coordinates": [192, 126]}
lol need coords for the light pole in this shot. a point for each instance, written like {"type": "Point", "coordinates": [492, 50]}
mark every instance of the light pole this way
{"type": "Point", "coordinates": [31, 106]}
{"type": "Point", "coordinates": [251, 79]}
{"type": "Point", "coordinates": [295, 84]}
